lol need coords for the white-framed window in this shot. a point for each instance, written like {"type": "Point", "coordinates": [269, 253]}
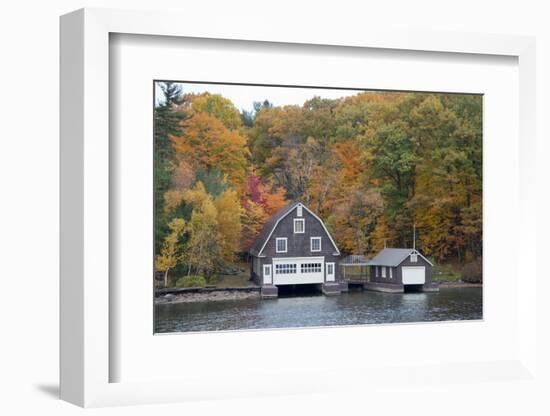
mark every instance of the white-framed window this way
{"type": "Point", "coordinates": [315, 243]}
{"type": "Point", "coordinates": [299, 211]}
{"type": "Point", "coordinates": [391, 272]}
{"type": "Point", "coordinates": [383, 272]}
{"type": "Point", "coordinates": [310, 268]}
{"type": "Point", "coordinates": [280, 245]}
{"type": "Point", "coordinates": [285, 268]}
{"type": "Point", "coordinates": [377, 271]}
{"type": "Point", "coordinates": [414, 258]}
{"type": "Point", "coordinates": [299, 225]}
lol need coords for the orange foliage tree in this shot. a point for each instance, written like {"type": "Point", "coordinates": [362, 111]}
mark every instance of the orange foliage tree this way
{"type": "Point", "coordinates": [209, 144]}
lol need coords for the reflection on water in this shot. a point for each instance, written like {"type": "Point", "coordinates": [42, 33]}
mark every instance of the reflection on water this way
{"type": "Point", "coordinates": [352, 308]}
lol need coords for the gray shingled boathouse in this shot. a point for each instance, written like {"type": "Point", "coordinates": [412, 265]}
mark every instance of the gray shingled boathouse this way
{"type": "Point", "coordinates": [295, 248]}
{"type": "Point", "coordinates": [398, 269]}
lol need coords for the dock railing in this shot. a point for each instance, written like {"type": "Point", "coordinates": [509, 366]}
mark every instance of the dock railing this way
{"type": "Point", "coordinates": [354, 268]}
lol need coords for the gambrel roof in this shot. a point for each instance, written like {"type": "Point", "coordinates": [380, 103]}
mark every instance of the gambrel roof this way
{"type": "Point", "coordinates": [394, 257]}
{"type": "Point", "coordinates": [271, 224]}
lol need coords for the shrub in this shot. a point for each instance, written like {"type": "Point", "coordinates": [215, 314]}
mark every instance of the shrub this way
{"type": "Point", "coordinates": [191, 281]}
{"type": "Point", "coordinates": [472, 272]}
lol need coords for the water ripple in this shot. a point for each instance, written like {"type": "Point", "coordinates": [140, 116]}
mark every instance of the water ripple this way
{"type": "Point", "coordinates": [353, 308]}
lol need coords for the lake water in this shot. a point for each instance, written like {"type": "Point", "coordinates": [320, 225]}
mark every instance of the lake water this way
{"type": "Point", "coordinates": [351, 308]}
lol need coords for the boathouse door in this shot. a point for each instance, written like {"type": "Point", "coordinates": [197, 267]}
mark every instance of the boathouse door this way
{"type": "Point", "coordinates": [330, 272]}
{"type": "Point", "coordinates": [414, 275]}
{"type": "Point", "coordinates": [267, 274]}
{"type": "Point", "coordinates": [298, 270]}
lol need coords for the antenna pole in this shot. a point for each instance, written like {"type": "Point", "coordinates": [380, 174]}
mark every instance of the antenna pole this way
{"type": "Point", "coordinates": [385, 239]}
{"type": "Point", "coordinates": [414, 236]}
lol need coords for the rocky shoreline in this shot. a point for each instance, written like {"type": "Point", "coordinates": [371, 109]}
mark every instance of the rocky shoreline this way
{"type": "Point", "coordinates": [458, 284]}
{"type": "Point", "coordinates": [189, 295]}
{"type": "Point", "coordinates": [202, 295]}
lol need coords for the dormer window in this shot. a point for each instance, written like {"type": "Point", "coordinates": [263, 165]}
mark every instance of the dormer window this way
{"type": "Point", "coordinates": [299, 211]}
{"type": "Point", "coordinates": [299, 225]}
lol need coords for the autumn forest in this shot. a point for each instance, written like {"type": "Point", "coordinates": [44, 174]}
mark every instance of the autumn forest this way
{"type": "Point", "coordinates": [370, 164]}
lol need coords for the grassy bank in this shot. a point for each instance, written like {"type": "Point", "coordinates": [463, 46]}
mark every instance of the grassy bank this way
{"type": "Point", "coordinates": [237, 277]}
{"type": "Point", "coordinates": [446, 273]}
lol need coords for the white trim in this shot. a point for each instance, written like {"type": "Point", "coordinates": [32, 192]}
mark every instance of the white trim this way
{"type": "Point", "coordinates": [298, 220]}
{"type": "Point", "coordinates": [413, 251]}
{"type": "Point", "coordinates": [277, 244]}
{"type": "Point", "coordinates": [336, 253]}
{"type": "Point", "coordinates": [420, 254]}
{"type": "Point", "coordinates": [311, 244]}
{"type": "Point", "coordinates": [383, 270]}
{"type": "Point", "coordinates": [308, 258]}
{"type": "Point", "coordinates": [391, 272]}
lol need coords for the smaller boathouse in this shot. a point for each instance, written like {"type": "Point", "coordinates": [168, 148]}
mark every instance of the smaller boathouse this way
{"type": "Point", "coordinates": [396, 270]}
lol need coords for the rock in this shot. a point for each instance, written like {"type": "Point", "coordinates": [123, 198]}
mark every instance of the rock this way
{"type": "Point", "coordinates": [209, 296]}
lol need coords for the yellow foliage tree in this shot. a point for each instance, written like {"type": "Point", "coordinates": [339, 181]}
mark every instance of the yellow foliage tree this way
{"type": "Point", "coordinates": [196, 196]}
{"type": "Point", "coordinates": [253, 219]}
{"type": "Point", "coordinates": [229, 224]}
{"type": "Point", "coordinates": [172, 198]}
{"type": "Point", "coordinates": [169, 255]}
{"type": "Point", "coordinates": [218, 106]}
{"type": "Point", "coordinates": [202, 246]}
{"type": "Point", "coordinates": [383, 234]}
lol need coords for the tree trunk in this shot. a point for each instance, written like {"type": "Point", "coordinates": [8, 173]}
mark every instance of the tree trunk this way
{"type": "Point", "coordinates": [166, 278]}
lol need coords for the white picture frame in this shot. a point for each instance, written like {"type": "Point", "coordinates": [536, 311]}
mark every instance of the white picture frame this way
{"type": "Point", "coordinates": [85, 217]}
